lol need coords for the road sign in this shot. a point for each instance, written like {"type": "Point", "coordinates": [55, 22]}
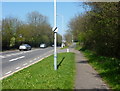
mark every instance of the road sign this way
{"type": "Point", "coordinates": [55, 29]}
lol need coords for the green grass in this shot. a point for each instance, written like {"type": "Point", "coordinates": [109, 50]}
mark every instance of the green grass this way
{"type": "Point", "coordinates": [43, 76]}
{"type": "Point", "coordinates": [64, 47]}
{"type": "Point", "coordinates": [78, 47]}
{"type": "Point", "coordinates": [108, 68]}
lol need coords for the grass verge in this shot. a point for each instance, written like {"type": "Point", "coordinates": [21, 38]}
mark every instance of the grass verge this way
{"type": "Point", "coordinates": [78, 47]}
{"type": "Point", "coordinates": [108, 68]}
{"type": "Point", "coordinates": [43, 76]}
{"type": "Point", "coordinates": [64, 47]}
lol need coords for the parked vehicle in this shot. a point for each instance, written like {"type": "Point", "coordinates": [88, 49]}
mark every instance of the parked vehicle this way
{"type": "Point", "coordinates": [43, 45]}
{"type": "Point", "coordinates": [52, 45]}
{"type": "Point", "coordinates": [24, 47]}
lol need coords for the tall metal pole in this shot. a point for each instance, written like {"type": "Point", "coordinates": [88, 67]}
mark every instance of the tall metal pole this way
{"type": "Point", "coordinates": [55, 52]}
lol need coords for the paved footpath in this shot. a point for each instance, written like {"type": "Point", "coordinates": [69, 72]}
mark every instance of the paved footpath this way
{"type": "Point", "coordinates": [86, 76]}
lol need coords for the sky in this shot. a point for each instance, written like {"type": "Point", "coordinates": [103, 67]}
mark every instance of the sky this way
{"type": "Point", "coordinates": [66, 9]}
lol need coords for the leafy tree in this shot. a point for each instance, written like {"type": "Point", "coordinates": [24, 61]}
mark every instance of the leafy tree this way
{"type": "Point", "coordinates": [68, 38]}
{"type": "Point", "coordinates": [98, 29]}
{"type": "Point", "coordinates": [9, 26]}
{"type": "Point", "coordinates": [35, 31]}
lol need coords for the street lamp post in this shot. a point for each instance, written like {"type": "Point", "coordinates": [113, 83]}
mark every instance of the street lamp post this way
{"type": "Point", "coordinates": [55, 33]}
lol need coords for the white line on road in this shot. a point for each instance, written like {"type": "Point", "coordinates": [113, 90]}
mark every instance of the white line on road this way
{"type": "Point", "coordinates": [24, 67]}
{"type": "Point", "coordinates": [16, 58]}
{"type": "Point", "coordinates": [17, 68]}
{"type": "Point", "coordinates": [25, 64]}
{"type": "Point", "coordinates": [8, 72]}
{"type": "Point", "coordinates": [30, 61]}
{"type": "Point", "coordinates": [35, 59]}
{"type": "Point", "coordinates": [18, 53]}
{"type": "Point", "coordinates": [2, 56]}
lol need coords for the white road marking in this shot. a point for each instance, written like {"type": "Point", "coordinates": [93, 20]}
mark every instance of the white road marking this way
{"type": "Point", "coordinates": [14, 54]}
{"type": "Point", "coordinates": [35, 58]}
{"type": "Point", "coordinates": [24, 67]}
{"type": "Point", "coordinates": [11, 54]}
{"type": "Point", "coordinates": [30, 61]}
{"type": "Point", "coordinates": [8, 55]}
{"type": "Point", "coordinates": [17, 67]}
{"type": "Point", "coordinates": [8, 72]}
{"type": "Point", "coordinates": [2, 56]}
{"type": "Point", "coordinates": [16, 58]}
{"type": "Point", "coordinates": [25, 64]}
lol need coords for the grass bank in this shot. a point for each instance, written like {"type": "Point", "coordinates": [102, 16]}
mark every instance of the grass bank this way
{"type": "Point", "coordinates": [64, 47]}
{"type": "Point", "coordinates": [108, 68]}
{"type": "Point", "coordinates": [43, 76]}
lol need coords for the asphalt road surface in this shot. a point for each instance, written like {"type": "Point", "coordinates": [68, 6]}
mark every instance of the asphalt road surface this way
{"type": "Point", "coordinates": [13, 61]}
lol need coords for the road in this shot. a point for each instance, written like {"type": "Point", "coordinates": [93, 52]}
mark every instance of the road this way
{"type": "Point", "coordinates": [86, 76]}
{"type": "Point", "coordinates": [13, 61]}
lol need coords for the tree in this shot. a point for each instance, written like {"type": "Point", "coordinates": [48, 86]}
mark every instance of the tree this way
{"type": "Point", "coordinates": [36, 19]}
{"type": "Point", "coordinates": [9, 28]}
{"type": "Point", "coordinates": [98, 29]}
{"type": "Point", "coordinates": [68, 38]}
{"type": "Point", "coordinates": [35, 31]}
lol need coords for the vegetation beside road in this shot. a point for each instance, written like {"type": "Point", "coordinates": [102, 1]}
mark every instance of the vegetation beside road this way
{"type": "Point", "coordinates": [108, 68]}
{"type": "Point", "coordinates": [34, 31]}
{"type": "Point", "coordinates": [98, 28]}
{"type": "Point", "coordinates": [43, 76]}
{"type": "Point", "coordinates": [64, 47]}
{"type": "Point", "coordinates": [78, 47]}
